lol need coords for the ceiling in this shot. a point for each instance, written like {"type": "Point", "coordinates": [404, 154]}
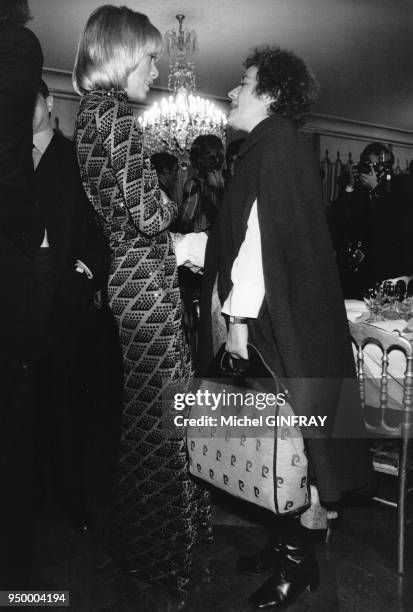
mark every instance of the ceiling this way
{"type": "Point", "coordinates": [360, 50]}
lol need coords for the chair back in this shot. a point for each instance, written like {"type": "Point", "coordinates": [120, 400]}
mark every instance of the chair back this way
{"type": "Point", "coordinates": [375, 397]}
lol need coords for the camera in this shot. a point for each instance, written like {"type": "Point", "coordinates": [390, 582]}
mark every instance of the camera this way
{"type": "Point", "coordinates": [365, 167]}
{"type": "Point", "coordinates": [382, 168]}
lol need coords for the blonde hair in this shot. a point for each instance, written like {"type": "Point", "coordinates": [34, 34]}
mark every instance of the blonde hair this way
{"type": "Point", "coordinates": [112, 44]}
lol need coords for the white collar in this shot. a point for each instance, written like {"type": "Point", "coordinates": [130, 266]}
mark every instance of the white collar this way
{"type": "Point", "coordinates": [42, 139]}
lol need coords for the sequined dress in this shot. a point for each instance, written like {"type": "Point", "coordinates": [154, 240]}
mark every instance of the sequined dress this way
{"type": "Point", "coordinates": [160, 512]}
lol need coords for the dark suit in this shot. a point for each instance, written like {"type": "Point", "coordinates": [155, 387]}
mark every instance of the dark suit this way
{"type": "Point", "coordinates": [20, 72]}
{"type": "Point", "coordinates": [73, 235]}
{"type": "Point", "coordinates": [24, 278]}
{"type": "Point", "coordinates": [72, 230]}
{"type": "Point", "coordinates": [25, 300]}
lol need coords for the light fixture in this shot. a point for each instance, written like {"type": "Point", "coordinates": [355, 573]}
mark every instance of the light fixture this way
{"type": "Point", "coordinates": [173, 123]}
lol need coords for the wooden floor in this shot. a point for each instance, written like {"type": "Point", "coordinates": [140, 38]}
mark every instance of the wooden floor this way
{"type": "Point", "coordinates": [357, 568]}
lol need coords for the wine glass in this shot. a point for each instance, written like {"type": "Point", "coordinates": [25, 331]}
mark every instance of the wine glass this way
{"type": "Point", "coordinates": [400, 290]}
{"type": "Point", "coordinates": [388, 292]}
{"type": "Point", "coordinates": [371, 298]}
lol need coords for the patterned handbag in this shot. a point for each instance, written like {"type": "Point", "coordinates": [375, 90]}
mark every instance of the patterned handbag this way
{"type": "Point", "coordinates": [258, 461]}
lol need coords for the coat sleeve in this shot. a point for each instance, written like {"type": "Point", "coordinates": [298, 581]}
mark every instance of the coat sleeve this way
{"type": "Point", "coordinates": [303, 294]}
{"type": "Point", "coordinates": [135, 177]}
{"type": "Point", "coordinates": [303, 298]}
{"type": "Point", "coordinates": [280, 266]}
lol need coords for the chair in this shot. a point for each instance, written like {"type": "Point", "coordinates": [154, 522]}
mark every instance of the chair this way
{"type": "Point", "coordinates": [375, 401]}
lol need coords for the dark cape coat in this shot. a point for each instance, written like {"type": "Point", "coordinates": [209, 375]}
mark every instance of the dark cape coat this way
{"type": "Point", "coordinates": [302, 330]}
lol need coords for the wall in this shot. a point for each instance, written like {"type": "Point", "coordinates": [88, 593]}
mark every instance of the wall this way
{"type": "Point", "coordinates": [339, 142]}
{"type": "Point", "coordinates": [348, 148]}
{"type": "Point", "coordinates": [331, 134]}
{"type": "Point", "coordinates": [66, 102]}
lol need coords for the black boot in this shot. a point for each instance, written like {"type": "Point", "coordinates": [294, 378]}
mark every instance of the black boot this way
{"type": "Point", "coordinates": [265, 561]}
{"type": "Point", "coordinates": [298, 571]}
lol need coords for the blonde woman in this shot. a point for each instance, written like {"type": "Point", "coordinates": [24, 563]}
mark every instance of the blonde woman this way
{"type": "Point", "coordinates": [159, 511]}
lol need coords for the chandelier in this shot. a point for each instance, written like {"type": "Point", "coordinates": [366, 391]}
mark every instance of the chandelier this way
{"type": "Point", "coordinates": [173, 123]}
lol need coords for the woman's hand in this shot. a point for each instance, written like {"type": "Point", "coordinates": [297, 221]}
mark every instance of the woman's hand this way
{"type": "Point", "coordinates": [190, 249]}
{"type": "Point", "coordinates": [237, 340]}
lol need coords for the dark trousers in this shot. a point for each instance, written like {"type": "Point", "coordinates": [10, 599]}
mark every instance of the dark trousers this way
{"type": "Point", "coordinates": [81, 387]}
{"type": "Point", "coordinates": [64, 418]}
{"type": "Point", "coordinates": [27, 288]}
{"type": "Point", "coordinates": [19, 471]}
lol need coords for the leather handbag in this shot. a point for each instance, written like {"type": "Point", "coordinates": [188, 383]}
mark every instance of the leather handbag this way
{"type": "Point", "coordinates": [258, 462]}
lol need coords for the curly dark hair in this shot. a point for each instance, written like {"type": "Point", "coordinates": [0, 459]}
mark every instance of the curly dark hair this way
{"type": "Point", "coordinates": [287, 79]}
{"type": "Point", "coordinates": [164, 161]}
{"type": "Point", "coordinates": [375, 148]}
{"type": "Point", "coordinates": [207, 153]}
{"type": "Point", "coordinates": [15, 10]}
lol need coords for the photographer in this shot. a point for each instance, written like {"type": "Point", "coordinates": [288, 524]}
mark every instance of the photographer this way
{"type": "Point", "coordinates": [371, 224]}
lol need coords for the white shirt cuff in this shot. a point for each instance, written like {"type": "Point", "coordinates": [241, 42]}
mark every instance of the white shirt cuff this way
{"type": "Point", "coordinates": [244, 301]}
{"type": "Point", "coordinates": [190, 248]}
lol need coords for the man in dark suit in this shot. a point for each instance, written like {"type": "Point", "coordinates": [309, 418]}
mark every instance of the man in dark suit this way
{"type": "Point", "coordinates": [25, 273]}
{"type": "Point", "coordinates": [80, 256]}
{"type": "Point", "coordinates": [371, 223]}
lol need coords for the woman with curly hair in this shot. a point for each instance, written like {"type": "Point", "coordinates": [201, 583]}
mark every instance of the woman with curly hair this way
{"type": "Point", "coordinates": [270, 269]}
{"type": "Point", "coordinates": [202, 198]}
{"type": "Point", "coordinates": [203, 191]}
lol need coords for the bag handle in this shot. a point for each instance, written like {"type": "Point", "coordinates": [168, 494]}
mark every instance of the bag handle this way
{"type": "Point", "coordinates": [238, 367]}
{"type": "Point", "coordinates": [231, 365]}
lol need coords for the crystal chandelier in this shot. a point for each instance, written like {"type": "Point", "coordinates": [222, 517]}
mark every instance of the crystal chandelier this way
{"type": "Point", "coordinates": [173, 123]}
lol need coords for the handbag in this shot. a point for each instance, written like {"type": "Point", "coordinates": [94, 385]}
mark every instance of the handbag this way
{"type": "Point", "coordinates": [239, 448]}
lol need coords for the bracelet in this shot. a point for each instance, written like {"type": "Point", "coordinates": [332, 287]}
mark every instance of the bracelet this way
{"type": "Point", "coordinates": [238, 320]}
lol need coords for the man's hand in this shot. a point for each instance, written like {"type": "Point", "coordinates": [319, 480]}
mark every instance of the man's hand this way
{"type": "Point", "coordinates": [369, 181]}
{"type": "Point", "coordinates": [237, 340]}
{"type": "Point", "coordinates": [194, 269]}
{"type": "Point", "coordinates": [82, 268]}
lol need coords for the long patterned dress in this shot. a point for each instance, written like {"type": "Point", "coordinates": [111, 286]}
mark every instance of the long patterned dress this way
{"type": "Point", "coordinates": [160, 512]}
